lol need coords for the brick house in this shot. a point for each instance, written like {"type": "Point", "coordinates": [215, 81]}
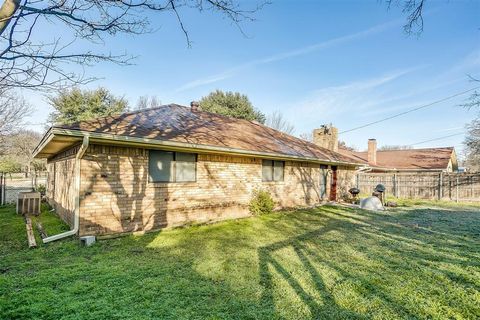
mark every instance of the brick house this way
{"type": "Point", "coordinates": [174, 165]}
{"type": "Point", "coordinates": [426, 160]}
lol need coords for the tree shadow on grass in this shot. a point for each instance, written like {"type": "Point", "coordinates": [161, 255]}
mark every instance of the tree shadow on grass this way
{"type": "Point", "coordinates": [122, 278]}
{"type": "Point", "coordinates": [324, 308]}
{"type": "Point", "coordinates": [379, 239]}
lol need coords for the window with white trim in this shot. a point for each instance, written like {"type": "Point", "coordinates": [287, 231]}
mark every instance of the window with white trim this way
{"type": "Point", "coordinates": [168, 166]}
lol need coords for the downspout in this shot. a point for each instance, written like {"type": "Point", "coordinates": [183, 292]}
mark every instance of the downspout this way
{"type": "Point", "coordinates": [76, 218]}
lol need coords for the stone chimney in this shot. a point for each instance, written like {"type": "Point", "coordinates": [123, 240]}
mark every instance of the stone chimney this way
{"type": "Point", "coordinates": [326, 137]}
{"type": "Point", "coordinates": [195, 106]}
{"type": "Point", "coordinates": [372, 151]}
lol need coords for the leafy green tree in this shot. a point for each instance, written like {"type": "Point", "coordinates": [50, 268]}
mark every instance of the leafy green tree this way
{"type": "Point", "coordinates": [231, 104]}
{"type": "Point", "coordinates": [79, 105]}
{"type": "Point", "coordinates": [9, 164]}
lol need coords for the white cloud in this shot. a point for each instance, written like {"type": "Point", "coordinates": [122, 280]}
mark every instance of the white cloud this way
{"type": "Point", "coordinates": [331, 102]}
{"type": "Point", "coordinates": [286, 55]}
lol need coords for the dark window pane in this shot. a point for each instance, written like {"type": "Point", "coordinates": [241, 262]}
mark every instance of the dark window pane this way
{"type": "Point", "coordinates": [185, 157]}
{"type": "Point", "coordinates": [160, 164]}
{"type": "Point", "coordinates": [278, 170]}
{"type": "Point", "coordinates": [323, 183]}
{"type": "Point", "coordinates": [267, 170]}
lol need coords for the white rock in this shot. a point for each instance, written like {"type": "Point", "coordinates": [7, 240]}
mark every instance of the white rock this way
{"type": "Point", "coordinates": [371, 203]}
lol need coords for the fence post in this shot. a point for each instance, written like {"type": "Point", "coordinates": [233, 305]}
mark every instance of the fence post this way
{"type": "Point", "coordinates": [4, 188]}
{"type": "Point", "coordinates": [1, 188]}
{"type": "Point", "coordinates": [395, 193]}
{"type": "Point", "coordinates": [440, 185]}
{"type": "Point", "coordinates": [456, 189]}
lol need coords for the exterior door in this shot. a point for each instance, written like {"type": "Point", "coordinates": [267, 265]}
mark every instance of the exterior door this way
{"type": "Point", "coordinates": [333, 187]}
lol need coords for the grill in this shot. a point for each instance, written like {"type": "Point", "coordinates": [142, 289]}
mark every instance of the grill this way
{"type": "Point", "coordinates": [379, 192]}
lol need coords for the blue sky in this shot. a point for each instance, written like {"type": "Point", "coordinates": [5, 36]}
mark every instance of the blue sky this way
{"type": "Point", "coordinates": [341, 62]}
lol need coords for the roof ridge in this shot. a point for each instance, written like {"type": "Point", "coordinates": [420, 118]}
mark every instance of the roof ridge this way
{"type": "Point", "coordinates": [416, 149]}
{"type": "Point", "coordinates": [412, 149]}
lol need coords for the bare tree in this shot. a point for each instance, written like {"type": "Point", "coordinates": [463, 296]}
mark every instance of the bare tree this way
{"type": "Point", "coordinates": [29, 59]}
{"type": "Point", "coordinates": [394, 147]}
{"type": "Point", "coordinates": [13, 110]}
{"type": "Point", "coordinates": [343, 145]}
{"type": "Point", "coordinates": [20, 146]}
{"type": "Point", "coordinates": [472, 139]}
{"type": "Point", "coordinates": [473, 102]}
{"type": "Point", "coordinates": [145, 102]}
{"type": "Point", "coordinates": [414, 11]}
{"type": "Point", "coordinates": [307, 136]}
{"type": "Point", "coordinates": [276, 121]}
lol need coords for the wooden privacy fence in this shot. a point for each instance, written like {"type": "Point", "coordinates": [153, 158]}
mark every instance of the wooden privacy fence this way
{"type": "Point", "coordinates": [438, 186]}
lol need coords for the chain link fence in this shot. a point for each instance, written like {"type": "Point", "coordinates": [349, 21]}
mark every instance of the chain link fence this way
{"type": "Point", "coordinates": [13, 183]}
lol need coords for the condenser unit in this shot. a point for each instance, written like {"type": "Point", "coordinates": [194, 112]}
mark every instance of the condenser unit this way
{"type": "Point", "coordinates": [28, 203]}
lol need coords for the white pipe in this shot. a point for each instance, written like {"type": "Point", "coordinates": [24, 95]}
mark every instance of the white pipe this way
{"type": "Point", "coordinates": [76, 218]}
{"type": "Point", "coordinates": [363, 169]}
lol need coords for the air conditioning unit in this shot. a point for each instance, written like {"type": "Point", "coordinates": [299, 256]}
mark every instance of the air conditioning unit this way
{"type": "Point", "coordinates": [28, 203]}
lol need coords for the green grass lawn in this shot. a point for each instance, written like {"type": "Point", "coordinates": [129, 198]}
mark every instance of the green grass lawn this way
{"type": "Point", "coordinates": [329, 262]}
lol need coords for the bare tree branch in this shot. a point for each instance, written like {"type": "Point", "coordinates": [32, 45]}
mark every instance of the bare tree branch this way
{"type": "Point", "coordinates": [29, 61]}
{"type": "Point", "coordinates": [414, 11]}
{"type": "Point", "coordinates": [13, 110]}
{"type": "Point", "coordinates": [276, 121]}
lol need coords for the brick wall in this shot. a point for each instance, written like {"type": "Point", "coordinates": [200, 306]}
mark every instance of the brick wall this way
{"type": "Point", "coordinates": [61, 184]}
{"type": "Point", "coordinates": [345, 181]}
{"type": "Point", "coordinates": [117, 197]}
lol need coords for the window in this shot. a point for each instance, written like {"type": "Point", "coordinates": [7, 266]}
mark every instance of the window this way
{"type": "Point", "coordinates": [272, 170]}
{"type": "Point", "coordinates": [323, 181]}
{"type": "Point", "coordinates": [166, 166]}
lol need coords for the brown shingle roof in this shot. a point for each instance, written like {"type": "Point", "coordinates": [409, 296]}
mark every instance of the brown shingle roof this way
{"type": "Point", "coordinates": [408, 159]}
{"type": "Point", "coordinates": [179, 124]}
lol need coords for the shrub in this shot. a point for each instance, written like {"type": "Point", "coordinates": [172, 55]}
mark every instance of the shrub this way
{"type": "Point", "coordinates": [261, 202]}
{"type": "Point", "coordinates": [41, 188]}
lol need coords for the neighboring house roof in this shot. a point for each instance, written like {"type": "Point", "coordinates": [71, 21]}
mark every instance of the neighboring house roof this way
{"type": "Point", "coordinates": [436, 159]}
{"type": "Point", "coordinates": [177, 126]}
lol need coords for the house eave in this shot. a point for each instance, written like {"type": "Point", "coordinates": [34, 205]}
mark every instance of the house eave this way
{"type": "Point", "coordinates": [59, 134]}
{"type": "Point", "coordinates": [407, 170]}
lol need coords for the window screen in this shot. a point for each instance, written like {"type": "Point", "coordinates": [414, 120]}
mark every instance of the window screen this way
{"type": "Point", "coordinates": [272, 170]}
{"type": "Point", "coordinates": [185, 167]}
{"type": "Point", "coordinates": [267, 170]}
{"type": "Point", "coordinates": [164, 166]}
{"type": "Point", "coordinates": [278, 170]}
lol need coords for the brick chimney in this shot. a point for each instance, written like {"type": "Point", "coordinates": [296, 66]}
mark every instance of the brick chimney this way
{"type": "Point", "coordinates": [372, 151]}
{"type": "Point", "coordinates": [326, 137]}
{"type": "Point", "coordinates": [195, 106]}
